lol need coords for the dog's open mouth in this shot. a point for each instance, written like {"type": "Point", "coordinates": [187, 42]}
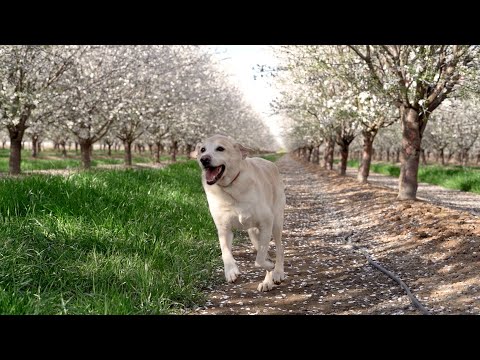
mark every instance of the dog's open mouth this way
{"type": "Point", "coordinates": [213, 174]}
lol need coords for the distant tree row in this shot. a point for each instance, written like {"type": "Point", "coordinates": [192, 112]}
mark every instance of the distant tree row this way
{"type": "Point", "coordinates": [333, 94]}
{"type": "Point", "coordinates": [159, 96]}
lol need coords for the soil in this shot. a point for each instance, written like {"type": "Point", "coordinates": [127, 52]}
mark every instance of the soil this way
{"type": "Point", "coordinates": [433, 245]}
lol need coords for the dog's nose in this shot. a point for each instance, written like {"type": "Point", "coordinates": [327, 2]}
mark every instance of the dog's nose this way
{"type": "Point", "coordinates": [205, 160]}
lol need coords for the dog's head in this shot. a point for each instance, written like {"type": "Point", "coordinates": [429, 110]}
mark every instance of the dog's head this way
{"type": "Point", "coordinates": [220, 157]}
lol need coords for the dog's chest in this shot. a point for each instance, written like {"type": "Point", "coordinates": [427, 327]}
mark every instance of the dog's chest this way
{"type": "Point", "coordinates": [233, 214]}
{"type": "Point", "coordinates": [245, 219]}
{"type": "Point", "coordinates": [238, 218]}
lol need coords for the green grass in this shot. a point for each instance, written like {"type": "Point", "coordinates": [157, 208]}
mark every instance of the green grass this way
{"type": "Point", "coordinates": [272, 157]}
{"type": "Point", "coordinates": [379, 168]}
{"type": "Point", "coordinates": [453, 177]}
{"type": "Point", "coordinates": [51, 159]}
{"type": "Point", "coordinates": [106, 242]}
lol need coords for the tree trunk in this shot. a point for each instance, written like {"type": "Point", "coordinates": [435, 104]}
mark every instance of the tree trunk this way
{"type": "Point", "coordinates": [422, 155]}
{"type": "Point", "coordinates": [174, 150]}
{"type": "Point", "coordinates": [364, 169]}
{"type": "Point", "coordinates": [328, 155]}
{"type": "Point", "coordinates": [388, 155]}
{"type": "Point", "coordinates": [410, 157]}
{"type": "Point", "coordinates": [308, 156]}
{"type": "Point", "coordinates": [86, 150]}
{"type": "Point", "coordinates": [450, 155]}
{"type": "Point", "coordinates": [76, 147]}
{"type": "Point", "coordinates": [15, 156]}
{"type": "Point", "coordinates": [16, 136]}
{"type": "Point", "coordinates": [64, 148]}
{"type": "Point", "coordinates": [458, 157]}
{"type": "Point", "coordinates": [397, 156]}
{"type": "Point", "coordinates": [344, 158]}
{"type": "Point", "coordinates": [464, 157]}
{"type": "Point", "coordinates": [34, 146]}
{"type": "Point", "coordinates": [128, 152]}
{"type": "Point", "coordinates": [315, 157]}
{"type": "Point", "coordinates": [158, 150]}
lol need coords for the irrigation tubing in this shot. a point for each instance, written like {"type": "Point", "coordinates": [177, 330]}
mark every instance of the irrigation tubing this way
{"type": "Point", "coordinates": [391, 275]}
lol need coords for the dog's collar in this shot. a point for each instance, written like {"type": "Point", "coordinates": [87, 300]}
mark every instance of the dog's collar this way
{"type": "Point", "coordinates": [232, 180]}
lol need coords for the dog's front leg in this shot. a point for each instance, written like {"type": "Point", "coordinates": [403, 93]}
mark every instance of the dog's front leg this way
{"type": "Point", "coordinates": [225, 237]}
{"type": "Point", "coordinates": [261, 259]}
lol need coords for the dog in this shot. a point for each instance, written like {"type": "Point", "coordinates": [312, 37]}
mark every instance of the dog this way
{"type": "Point", "coordinates": [247, 194]}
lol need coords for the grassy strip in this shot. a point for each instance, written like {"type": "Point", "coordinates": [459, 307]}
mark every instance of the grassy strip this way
{"type": "Point", "coordinates": [271, 157]}
{"type": "Point", "coordinates": [47, 160]}
{"type": "Point", "coordinates": [105, 242]}
{"type": "Point", "coordinates": [452, 177]}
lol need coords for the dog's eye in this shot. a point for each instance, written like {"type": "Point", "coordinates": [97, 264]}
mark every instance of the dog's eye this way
{"type": "Point", "coordinates": [220, 148]}
{"type": "Point", "coordinates": [202, 150]}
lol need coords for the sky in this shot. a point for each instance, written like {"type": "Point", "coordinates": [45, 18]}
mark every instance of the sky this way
{"type": "Point", "coordinates": [241, 61]}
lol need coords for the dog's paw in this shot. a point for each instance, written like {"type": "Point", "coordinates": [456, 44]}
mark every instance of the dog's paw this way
{"type": "Point", "coordinates": [278, 276]}
{"type": "Point", "coordinates": [263, 287]}
{"type": "Point", "coordinates": [267, 283]}
{"type": "Point", "coordinates": [231, 273]}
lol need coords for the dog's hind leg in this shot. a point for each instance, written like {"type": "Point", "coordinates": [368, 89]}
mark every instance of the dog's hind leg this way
{"type": "Point", "coordinates": [264, 237]}
{"type": "Point", "coordinates": [278, 273]}
{"type": "Point", "coordinates": [253, 234]}
{"type": "Point", "coordinates": [225, 237]}
{"type": "Point", "coordinates": [261, 260]}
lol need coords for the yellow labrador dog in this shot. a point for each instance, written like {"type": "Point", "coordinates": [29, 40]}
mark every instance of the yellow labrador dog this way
{"type": "Point", "coordinates": [247, 194]}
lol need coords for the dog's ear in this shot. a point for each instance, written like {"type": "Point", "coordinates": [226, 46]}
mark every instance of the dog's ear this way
{"type": "Point", "coordinates": [244, 150]}
{"type": "Point", "coordinates": [194, 153]}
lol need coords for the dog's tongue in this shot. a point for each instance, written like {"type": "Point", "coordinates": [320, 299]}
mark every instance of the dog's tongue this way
{"type": "Point", "coordinates": [211, 173]}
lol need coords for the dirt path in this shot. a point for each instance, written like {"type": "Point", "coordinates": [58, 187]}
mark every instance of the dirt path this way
{"type": "Point", "coordinates": [453, 199]}
{"type": "Point", "coordinates": [433, 249]}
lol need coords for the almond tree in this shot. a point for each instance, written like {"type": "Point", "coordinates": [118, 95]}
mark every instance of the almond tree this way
{"type": "Point", "coordinates": [42, 120]}
{"type": "Point", "coordinates": [460, 116]}
{"type": "Point", "coordinates": [311, 69]}
{"type": "Point", "coordinates": [110, 140]}
{"type": "Point", "coordinates": [171, 83]}
{"type": "Point", "coordinates": [371, 109]}
{"type": "Point", "coordinates": [389, 140]}
{"type": "Point", "coordinates": [439, 136]}
{"type": "Point", "coordinates": [416, 79]}
{"type": "Point", "coordinates": [37, 133]}
{"type": "Point", "coordinates": [92, 95]}
{"type": "Point", "coordinates": [148, 101]}
{"type": "Point", "coordinates": [27, 74]}
{"type": "Point", "coordinates": [199, 101]}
